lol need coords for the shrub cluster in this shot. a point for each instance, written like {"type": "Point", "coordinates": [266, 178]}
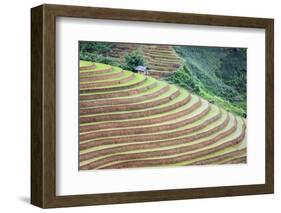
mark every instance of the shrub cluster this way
{"type": "Point", "coordinates": [133, 60]}
{"type": "Point", "coordinates": [221, 72]}
{"type": "Point", "coordinates": [99, 58]}
{"type": "Point", "coordinates": [186, 79]}
{"type": "Point", "coordinates": [100, 52]}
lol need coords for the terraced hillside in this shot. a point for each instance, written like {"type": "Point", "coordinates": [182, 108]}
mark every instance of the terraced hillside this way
{"type": "Point", "coordinates": [162, 60]}
{"type": "Point", "coordinates": [120, 49]}
{"type": "Point", "coordinates": [131, 120]}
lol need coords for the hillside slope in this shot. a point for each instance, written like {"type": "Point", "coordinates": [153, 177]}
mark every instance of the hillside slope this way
{"type": "Point", "coordinates": [131, 120]}
{"type": "Point", "coordinates": [220, 72]}
{"type": "Point", "coordinates": [161, 60]}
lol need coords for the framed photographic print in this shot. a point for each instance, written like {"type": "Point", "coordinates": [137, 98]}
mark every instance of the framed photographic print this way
{"type": "Point", "coordinates": [136, 106]}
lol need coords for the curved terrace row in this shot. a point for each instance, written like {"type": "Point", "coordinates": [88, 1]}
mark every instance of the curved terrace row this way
{"type": "Point", "coordinates": [131, 120]}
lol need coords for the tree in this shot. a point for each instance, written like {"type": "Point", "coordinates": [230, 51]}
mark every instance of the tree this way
{"type": "Point", "coordinates": [133, 60]}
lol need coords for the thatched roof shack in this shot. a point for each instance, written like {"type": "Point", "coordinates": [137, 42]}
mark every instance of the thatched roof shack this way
{"type": "Point", "coordinates": [141, 69]}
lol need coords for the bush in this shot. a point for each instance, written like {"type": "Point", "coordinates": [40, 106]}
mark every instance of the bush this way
{"type": "Point", "coordinates": [186, 79]}
{"type": "Point", "coordinates": [133, 60]}
{"type": "Point", "coordinates": [99, 48]}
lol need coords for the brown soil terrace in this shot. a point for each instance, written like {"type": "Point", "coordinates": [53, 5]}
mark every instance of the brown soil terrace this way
{"type": "Point", "coordinates": [145, 129]}
{"type": "Point", "coordinates": [157, 162]}
{"type": "Point", "coordinates": [114, 94]}
{"type": "Point", "coordinates": [104, 88]}
{"type": "Point", "coordinates": [130, 121]}
{"type": "Point", "coordinates": [144, 121]}
{"type": "Point", "coordinates": [129, 106]}
{"type": "Point", "coordinates": [101, 77]}
{"type": "Point", "coordinates": [155, 136]}
{"type": "Point", "coordinates": [88, 67]}
{"type": "Point", "coordinates": [116, 101]}
{"type": "Point", "coordinates": [90, 73]}
{"type": "Point", "coordinates": [156, 144]}
{"type": "Point", "coordinates": [134, 114]}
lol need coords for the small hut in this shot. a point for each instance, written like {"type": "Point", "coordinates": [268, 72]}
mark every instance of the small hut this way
{"type": "Point", "coordinates": [142, 69]}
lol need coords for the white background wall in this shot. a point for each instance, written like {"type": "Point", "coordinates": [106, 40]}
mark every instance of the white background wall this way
{"type": "Point", "coordinates": [15, 105]}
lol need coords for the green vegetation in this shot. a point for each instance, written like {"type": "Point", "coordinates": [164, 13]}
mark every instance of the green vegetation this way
{"type": "Point", "coordinates": [217, 74]}
{"type": "Point", "coordinates": [97, 52]}
{"type": "Point", "coordinates": [85, 63]}
{"type": "Point", "coordinates": [100, 52]}
{"type": "Point", "coordinates": [88, 56]}
{"type": "Point", "coordinates": [100, 66]}
{"type": "Point", "coordinates": [133, 60]}
{"type": "Point", "coordinates": [99, 48]}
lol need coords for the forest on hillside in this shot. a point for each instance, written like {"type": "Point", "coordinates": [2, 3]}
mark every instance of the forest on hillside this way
{"type": "Point", "coordinates": [217, 74]}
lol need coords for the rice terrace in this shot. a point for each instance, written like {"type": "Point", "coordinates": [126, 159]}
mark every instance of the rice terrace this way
{"type": "Point", "coordinates": [152, 105]}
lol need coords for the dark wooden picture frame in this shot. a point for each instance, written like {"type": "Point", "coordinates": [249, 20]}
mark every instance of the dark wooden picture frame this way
{"type": "Point", "coordinates": [43, 105]}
